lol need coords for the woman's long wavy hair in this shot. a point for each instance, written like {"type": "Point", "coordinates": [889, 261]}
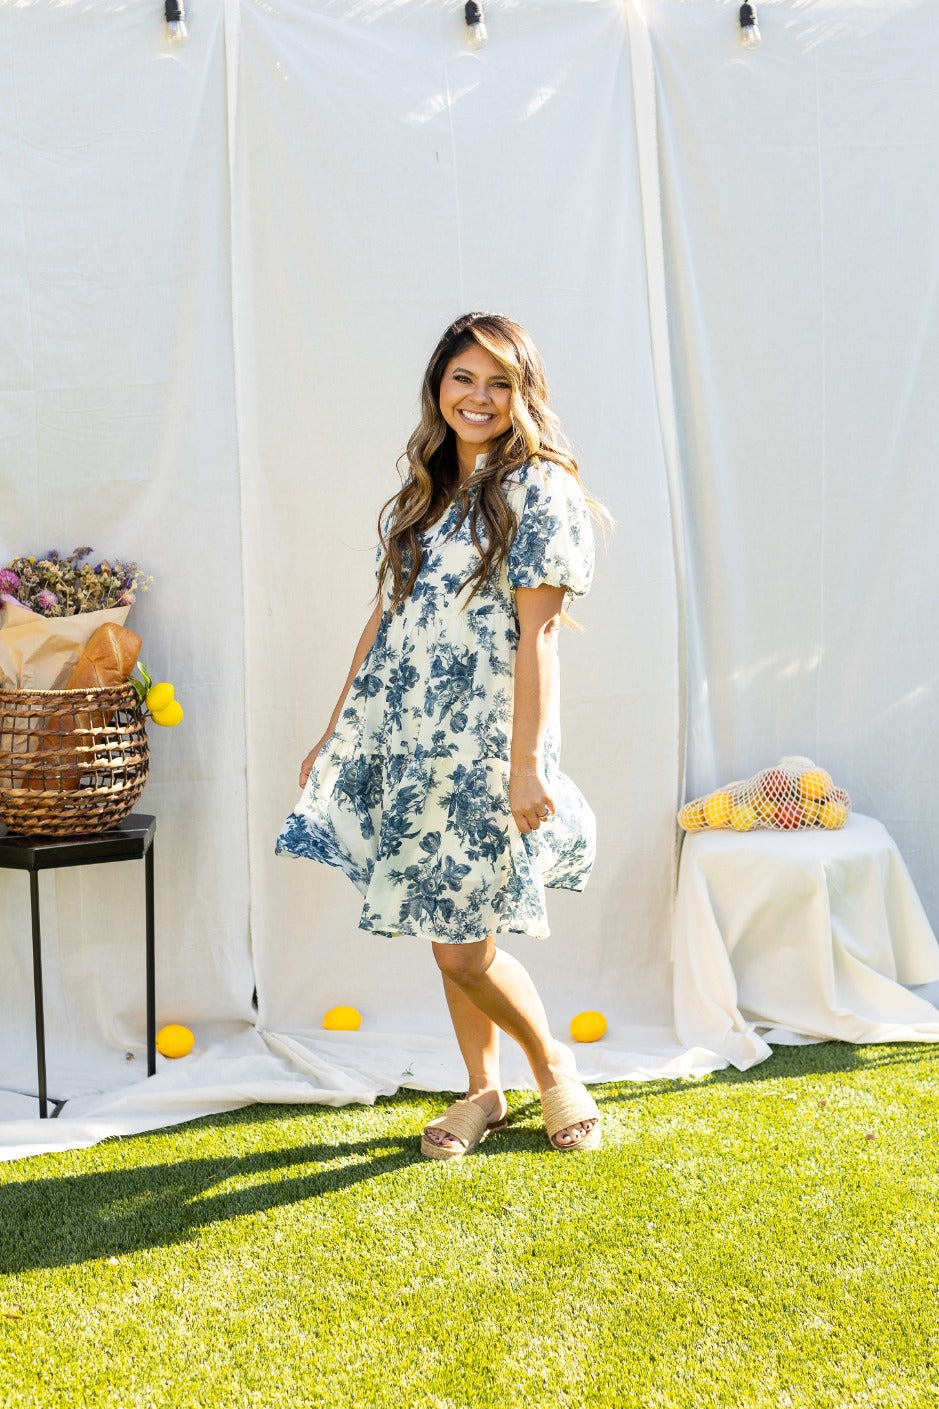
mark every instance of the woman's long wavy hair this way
{"type": "Point", "coordinates": [429, 466]}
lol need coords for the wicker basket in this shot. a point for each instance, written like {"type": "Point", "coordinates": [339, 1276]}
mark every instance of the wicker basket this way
{"type": "Point", "coordinates": [72, 762]}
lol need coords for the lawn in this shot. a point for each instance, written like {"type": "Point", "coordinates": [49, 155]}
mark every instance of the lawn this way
{"type": "Point", "coordinates": [758, 1239]}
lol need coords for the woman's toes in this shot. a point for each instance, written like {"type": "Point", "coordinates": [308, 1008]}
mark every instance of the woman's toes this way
{"type": "Point", "coordinates": [436, 1136]}
{"type": "Point", "coordinates": [573, 1134]}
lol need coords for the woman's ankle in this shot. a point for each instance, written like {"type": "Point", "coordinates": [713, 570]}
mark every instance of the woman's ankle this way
{"type": "Point", "coordinates": [558, 1064]}
{"type": "Point", "coordinates": [488, 1094]}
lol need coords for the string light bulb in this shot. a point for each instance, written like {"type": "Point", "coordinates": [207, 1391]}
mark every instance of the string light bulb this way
{"type": "Point", "coordinates": [176, 31]}
{"type": "Point", "coordinates": [476, 31]}
{"type": "Point", "coordinates": [750, 36]}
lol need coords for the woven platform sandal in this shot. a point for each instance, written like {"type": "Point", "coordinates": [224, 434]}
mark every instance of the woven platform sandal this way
{"type": "Point", "coordinates": [466, 1121]}
{"type": "Point", "coordinates": [569, 1104]}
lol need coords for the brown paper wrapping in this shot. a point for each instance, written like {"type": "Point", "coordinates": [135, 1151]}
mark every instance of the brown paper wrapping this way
{"type": "Point", "coordinates": [40, 652]}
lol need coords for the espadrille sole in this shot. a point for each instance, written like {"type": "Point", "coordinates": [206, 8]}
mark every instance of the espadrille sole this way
{"type": "Point", "coordinates": [567, 1105]}
{"type": "Point", "coordinates": [464, 1121]}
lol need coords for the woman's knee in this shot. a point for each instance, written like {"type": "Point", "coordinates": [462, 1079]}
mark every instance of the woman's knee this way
{"type": "Point", "coordinates": [464, 963]}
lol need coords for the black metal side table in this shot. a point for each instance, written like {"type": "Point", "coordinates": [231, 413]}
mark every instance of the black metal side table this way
{"type": "Point", "coordinates": [130, 840]}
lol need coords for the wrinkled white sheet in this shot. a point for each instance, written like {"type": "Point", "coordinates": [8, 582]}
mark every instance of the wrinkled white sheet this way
{"type": "Point", "coordinates": [784, 936]}
{"type": "Point", "coordinates": [230, 1068]}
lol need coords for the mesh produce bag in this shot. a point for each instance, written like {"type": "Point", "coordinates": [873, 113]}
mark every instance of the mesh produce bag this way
{"type": "Point", "coordinates": [794, 793]}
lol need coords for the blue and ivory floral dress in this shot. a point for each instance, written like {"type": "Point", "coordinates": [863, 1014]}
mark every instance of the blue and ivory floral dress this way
{"type": "Point", "coordinates": [410, 794]}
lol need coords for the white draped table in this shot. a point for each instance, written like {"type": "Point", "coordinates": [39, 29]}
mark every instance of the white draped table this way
{"type": "Point", "coordinates": [794, 936]}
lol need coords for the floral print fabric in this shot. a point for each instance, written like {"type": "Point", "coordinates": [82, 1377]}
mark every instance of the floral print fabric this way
{"type": "Point", "coordinates": [410, 794]}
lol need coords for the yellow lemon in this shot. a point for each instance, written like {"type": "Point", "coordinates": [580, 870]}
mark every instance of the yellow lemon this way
{"type": "Point", "coordinates": [342, 1019]}
{"type": "Point", "coordinates": [170, 715]}
{"type": "Point", "coordinates": [717, 809]}
{"type": "Point", "coordinates": [174, 1040]}
{"type": "Point", "coordinates": [743, 817]}
{"type": "Point", "coordinates": [832, 813]}
{"type": "Point", "coordinates": [159, 696]}
{"type": "Point", "coordinates": [588, 1027]}
{"type": "Point", "coordinates": [815, 784]}
{"type": "Point", "coordinates": [691, 817]}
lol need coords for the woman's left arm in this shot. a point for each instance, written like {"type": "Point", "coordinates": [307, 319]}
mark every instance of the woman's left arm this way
{"type": "Point", "coordinates": [539, 618]}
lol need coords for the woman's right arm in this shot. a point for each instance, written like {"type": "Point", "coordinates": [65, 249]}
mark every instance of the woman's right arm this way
{"type": "Point", "coordinates": [366, 642]}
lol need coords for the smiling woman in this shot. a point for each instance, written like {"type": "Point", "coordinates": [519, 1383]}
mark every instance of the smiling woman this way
{"type": "Point", "coordinates": [437, 786]}
{"type": "Point", "coordinates": [476, 403]}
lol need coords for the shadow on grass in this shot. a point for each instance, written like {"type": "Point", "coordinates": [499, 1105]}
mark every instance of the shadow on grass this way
{"type": "Point", "coordinates": [77, 1218]}
{"type": "Point", "coordinates": [57, 1222]}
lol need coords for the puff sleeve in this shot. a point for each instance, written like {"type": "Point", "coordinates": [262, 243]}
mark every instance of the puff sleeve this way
{"type": "Point", "coordinates": [554, 542]}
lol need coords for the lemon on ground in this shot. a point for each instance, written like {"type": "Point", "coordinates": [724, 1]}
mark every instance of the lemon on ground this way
{"type": "Point", "coordinates": [159, 696]}
{"type": "Point", "coordinates": [342, 1019]}
{"type": "Point", "coordinates": [717, 809]}
{"type": "Point", "coordinates": [174, 1040]}
{"type": "Point", "coordinates": [170, 715]}
{"type": "Point", "coordinates": [588, 1027]}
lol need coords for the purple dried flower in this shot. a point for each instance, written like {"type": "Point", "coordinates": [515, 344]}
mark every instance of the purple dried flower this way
{"type": "Point", "coordinates": [127, 598]}
{"type": "Point", "coordinates": [46, 601]}
{"type": "Point", "coordinates": [9, 580]}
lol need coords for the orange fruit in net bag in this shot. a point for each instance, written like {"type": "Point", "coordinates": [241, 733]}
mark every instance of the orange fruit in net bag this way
{"type": "Point", "coordinates": [789, 814]}
{"type": "Point", "coordinates": [815, 785]}
{"type": "Point", "coordinates": [776, 783]}
{"type": "Point", "coordinates": [718, 808]}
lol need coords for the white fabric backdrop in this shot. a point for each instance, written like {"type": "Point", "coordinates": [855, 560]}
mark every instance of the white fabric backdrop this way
{"type": "Point", "coordinates": [384, 179]}
{"type": "Point", "coordinates": [801, 203]}
{"type": "Point", "coordinates": [225, 269]}
{"type": "Point", "coordinates": [429, 197]}
{"type": "Point", "coordinates": [117, 408]}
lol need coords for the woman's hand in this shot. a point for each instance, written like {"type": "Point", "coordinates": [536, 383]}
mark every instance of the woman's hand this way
{"type": "Point", "coordinates": [306, 767]}
{"type": "Point", "coordinates": [529, 798]}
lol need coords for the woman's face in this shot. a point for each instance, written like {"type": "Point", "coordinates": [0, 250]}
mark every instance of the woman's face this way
{"type": "Point", "coordinates": [476, 401]}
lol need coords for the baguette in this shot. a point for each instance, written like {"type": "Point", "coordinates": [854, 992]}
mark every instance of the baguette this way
{"type": "Point", "coordinates": [65, 745]}
{"type": "Point", "coordinates": [108, 658]}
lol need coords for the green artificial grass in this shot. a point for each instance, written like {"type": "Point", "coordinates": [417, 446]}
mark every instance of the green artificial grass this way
{"type": "Point", "coordinates": [763, 1239]}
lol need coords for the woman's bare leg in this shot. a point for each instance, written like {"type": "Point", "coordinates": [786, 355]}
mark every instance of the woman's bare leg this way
{"type": "Point", "coordinates": [498, 986]}
{"type": "Point", "coordinates": [478, 1039]}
